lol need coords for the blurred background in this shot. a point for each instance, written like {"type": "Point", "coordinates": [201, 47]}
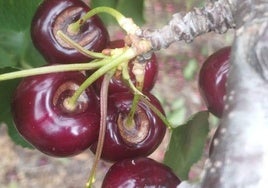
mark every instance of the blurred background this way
{"type": "Point", "coordinates": [176, 88]}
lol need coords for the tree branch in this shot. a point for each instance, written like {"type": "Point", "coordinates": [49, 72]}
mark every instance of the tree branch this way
{"type": "Point", "coordinates": [215, 16]}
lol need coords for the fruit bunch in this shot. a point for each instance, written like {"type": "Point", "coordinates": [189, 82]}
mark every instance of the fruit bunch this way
{"type": "Point", "coordinates": [92, 94]}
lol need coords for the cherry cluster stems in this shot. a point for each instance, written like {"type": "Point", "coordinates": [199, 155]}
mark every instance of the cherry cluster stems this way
{"type": "Point", "coordinates": [214, 16]}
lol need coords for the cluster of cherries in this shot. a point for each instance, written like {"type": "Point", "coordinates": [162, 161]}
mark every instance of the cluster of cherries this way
{"type": "Point", "coordinates": [44, 117]}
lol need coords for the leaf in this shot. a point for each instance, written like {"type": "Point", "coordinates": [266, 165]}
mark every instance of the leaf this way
{"type": "Point", "coordinates": [17, 14]}
{"type": "Point", "coordinates": [17, 50]}
{"type": "Point", "coordinates": [190, 69]}
{"type": "Point", "coordinates": [7, 88]}
{"type": "Point", "coordinates": [132, 9]}
{"type": "Point", "coordinates": [106, 18]}
{"type": "Point", "coordinates": [187, 144]}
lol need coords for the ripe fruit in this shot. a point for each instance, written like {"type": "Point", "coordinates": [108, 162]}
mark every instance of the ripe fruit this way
{"type": "Point", "coordinates": [140, 172]}
{"type": "Point", "coordinates": [42, 118]}
{"type": "Point", "coordinates": [212, 80]}
{"type": "Point", "coordinates": [117, 84]}
{"type": "Point", "coordinates": [54, 15]}
{"type": "Point", "coordinates": [140, 138]}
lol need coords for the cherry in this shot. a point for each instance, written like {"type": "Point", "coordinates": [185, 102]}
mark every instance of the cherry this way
{"type": "Point", "coordinates": [42, 116]}
{"type": "Point", "coordinates": [54, 15]}
{"type": "Point", "coordinates": [140, 172]}
{"type": "Point", "coordinates": [118, 85]}
{"type": "Point", "coordinates": [140, 138]}
{"type": "Point", "coordinates": [212, 80]}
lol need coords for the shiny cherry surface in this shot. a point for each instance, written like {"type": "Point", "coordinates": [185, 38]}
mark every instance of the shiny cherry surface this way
{"type": "Point", "coordinates": [54, 15]}
{"type": "Point", "coordinates": [140, 138]}
{"type": "Point", "coordinates": [41, 116]}
{"type": "Point", "coordinates": [212, 80]}
{"type": "Point", "coordinates": [117, 84]}
{"type": "Point", "coordinates": [140, 172]}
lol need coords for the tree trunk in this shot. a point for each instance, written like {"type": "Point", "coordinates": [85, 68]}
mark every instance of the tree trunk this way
{"type": "Point", "coordinates": [240, 155]}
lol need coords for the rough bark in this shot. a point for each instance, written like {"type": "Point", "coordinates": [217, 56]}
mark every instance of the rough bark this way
{"type": "Point", "coordinates": [215, 16]}
{"type": "Point", "coordinates": [240, 155]}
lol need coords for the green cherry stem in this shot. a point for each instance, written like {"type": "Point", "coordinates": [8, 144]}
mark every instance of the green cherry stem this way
{"type": "Point", "coordinates": [126, 23]}
{"type": "Point", "coordinates": [157, 112]}
{"type": "Point", "coordinates": [124, 56]}
{"type": "Point", "coordinates": [79, 48]}
{"type": "Point", "coordinates": [52, 69]}
{"type": "Point", "coordinates": [137, 92]}
{"type": "Point", "coordinates": [126, 77]}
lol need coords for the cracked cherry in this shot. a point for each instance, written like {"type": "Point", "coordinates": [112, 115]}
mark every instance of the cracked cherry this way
{"type": "Point", "coordinates": [140, 138]}
{"type": "Point", "coordinates": [140, 172]}
{"type": "Point", "coordinates": [117, 84]}
{"type": "Point", "coordinates": [42, 117]}
{"type": "Point", "coordinates": [54, 15]}
{"type": "Point", "coordinates": [212, 80]}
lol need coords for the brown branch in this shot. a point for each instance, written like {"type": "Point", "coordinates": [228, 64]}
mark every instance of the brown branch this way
{"type": "Point", "coordinates": [215, 16]}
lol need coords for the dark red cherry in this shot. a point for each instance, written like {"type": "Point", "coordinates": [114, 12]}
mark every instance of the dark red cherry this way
{"type": "Point", "coordinates": [118, 85]}
{"type": "Point", "coordinates": [140, 138]}
{"type": "Point", "coordinates": [54, 15]}
{"type": "Point", "coordinates": [140, 172]}
{"type": "Point", "coordinates": [43, 119]}
{"type": "Point", "coordinates": [212, 80]}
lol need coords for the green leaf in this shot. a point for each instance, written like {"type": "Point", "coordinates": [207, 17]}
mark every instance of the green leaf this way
{"type": "Point", "coordinates": [187, 144]}
{"type": "Point", "coordinates": [17, 14]}
{"type": "Point", "coordinates": [132, 9]}
{"type": "Point", "coordinates": [106, 18]}
{"type": "Point", "coordinates": [7, 88]}
{"type": "Point", "coordinates": [190, 69]}
{"type": "Point", "coordinates": [17, 50]}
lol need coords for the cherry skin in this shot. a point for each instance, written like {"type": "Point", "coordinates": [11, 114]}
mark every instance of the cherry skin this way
{"type": "Point", "coordinates": [140, 138]}
{"type": "Point", "coordinates": [117, 84]}
{"type": "Point", "coordinates": [42, 118]}
{"type": "Point", "coordinates": [212, 80]}
{"type": "Point", "coordinates": [140, 172]}
{"type": "Point", "coordinates": [54, 15]}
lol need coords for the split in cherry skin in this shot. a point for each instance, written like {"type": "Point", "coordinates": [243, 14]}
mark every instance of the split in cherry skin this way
{"type": "Point", "coordinates": [140, 172]}
{"type": "Point", "coordinates": [117, 84]}
{"type": "Point", "coordinates": [41, 117]}
{"type": "Point", "coordinates": [140, 138]}
{"type": "Point", "coordinates": [212, 80]}
{"type": "Point", "coordinates": [54, 15]}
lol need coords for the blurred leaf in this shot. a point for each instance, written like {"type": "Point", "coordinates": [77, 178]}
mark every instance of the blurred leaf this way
{"type": "Point", "coordinates": [17, 14]}
{"type": "Point", "coordinates": [133, 9]}
{"type": "Point", "coordinates": [7, 88]}
{"type": "Point", "coordinates": [129, 8]}
{"type": "Point", "coordinates": [106, 18]}
{"type": "Point", "coordinates": [187, 144]}
{"type": "Point", "coordinates": [17, 50]}
{"type": "Point", "coordinates": [177, 117]}
{"type": "Point", "coordinates": [190, 69]}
